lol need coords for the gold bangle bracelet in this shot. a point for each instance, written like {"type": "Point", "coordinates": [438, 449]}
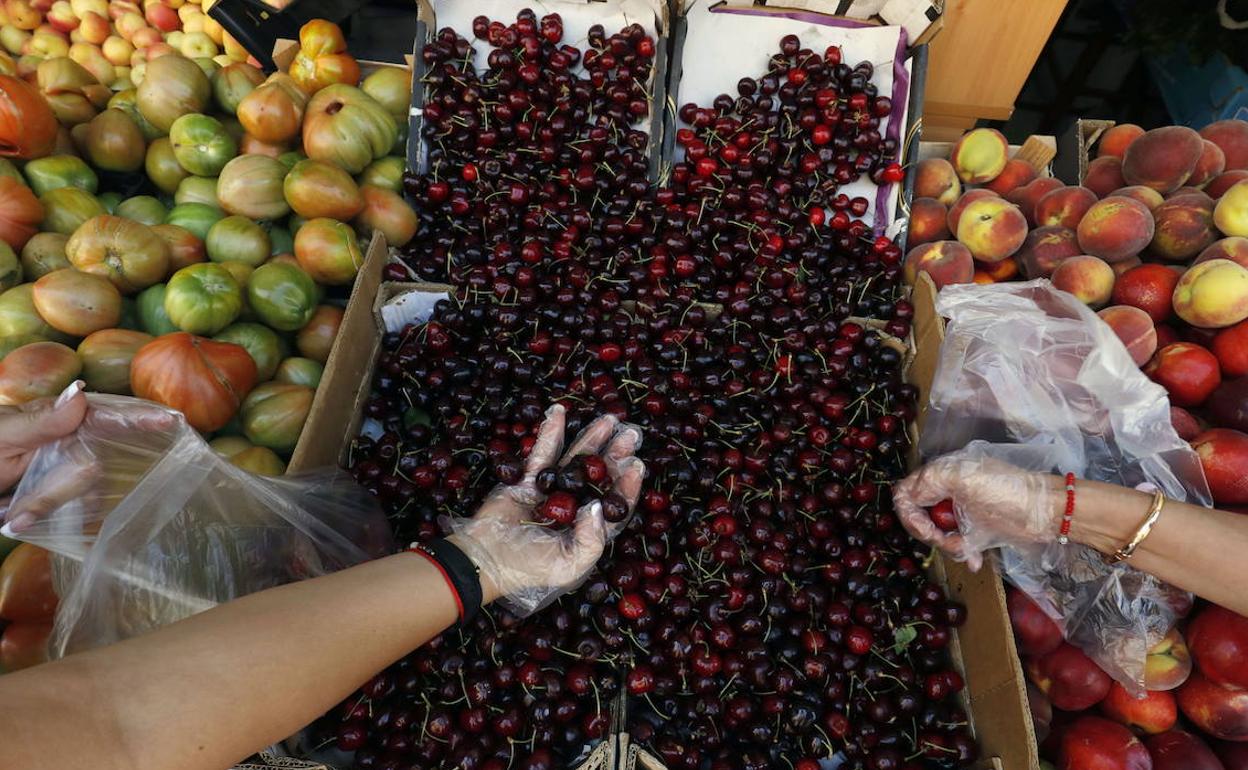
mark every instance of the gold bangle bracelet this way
{"type": "Point", "coordinates": [1154, 513]}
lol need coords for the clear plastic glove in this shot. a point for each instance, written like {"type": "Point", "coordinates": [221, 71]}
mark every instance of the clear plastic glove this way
{"type": "Point", "coordinates": [528, 565]}
{"type": "Point", "coordinates": [995, 504]}
{"type": "Point", "coordinates": [25, 428]}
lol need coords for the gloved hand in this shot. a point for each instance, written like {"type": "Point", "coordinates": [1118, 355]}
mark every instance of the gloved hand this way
{"type": "Point", "coordinates": [25, 428]}
{"type": "Point", "coordinates": [995, 504]}
{"type": "Point", "coordinates": [528, 565]}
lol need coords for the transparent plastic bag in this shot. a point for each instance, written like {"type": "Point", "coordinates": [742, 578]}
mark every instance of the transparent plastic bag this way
{"type": "Point", "coordinates": [148, 525]}
{"type": "Point", "coordinates": [1030, 376]}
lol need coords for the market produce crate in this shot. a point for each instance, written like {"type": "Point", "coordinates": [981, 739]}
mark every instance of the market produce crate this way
{"type": "Point", "coordinates": [716, 44]}
{"type": "Point", "coordinates": [344, 371]}
{"type": "Point", "coordinates": [1075, 149]}
{"type": "Point", "coordinates": [578, 16]}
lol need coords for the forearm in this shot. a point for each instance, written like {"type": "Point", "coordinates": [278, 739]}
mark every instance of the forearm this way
{"type": "Point", "coordinates": [1195, 548]}
{"type": "Point", "coordinates": [216, 687]}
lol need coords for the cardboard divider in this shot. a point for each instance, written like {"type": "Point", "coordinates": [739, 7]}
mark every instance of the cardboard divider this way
{"type": "Point", "coordinates": [1074, 149]}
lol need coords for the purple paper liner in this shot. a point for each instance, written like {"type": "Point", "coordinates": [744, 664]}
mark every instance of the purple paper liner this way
{"type": "Point", "coordinates": [901, 84]}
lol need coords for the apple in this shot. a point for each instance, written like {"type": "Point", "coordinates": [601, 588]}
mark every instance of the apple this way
{"type": "Point", "coordinates": [61, 15]}
{"type": "Point", "coordinates": [158, 50]}
{"type": "Point", "coordinates": [1071, 680]}
{"type": "Point", "coordinates": [1216, 709]}
{"type": "Point", "coordinates": [13, 39]}
{"type": "Point", "coordinates": [21, 14]}
{"type": "Point", "coordinates": [1168, 663]}
{"type": "Point", "coordinates": [1218, 639]}
{"type": "Point", "coordinates": [1179, 750]}
{"type": "Point", "coordinates": [128, 24]}
{"type": "Point", "coordinates": [1035, 633]}
{"type": "Point", "coordinates": [161, 16]}
{"type": "Point", "coordinates": [198, 44]}
{"type": "Point", "coordinates": [148, 36]}
{"type": "Point", "coordinates": [1155, 713]}
{"type": "Point", "coordinates": [47, 46]}
{"type": "Point", "coordinates": [82, 7]}
{"type": "Point", "coordinates": [1093, 743]}
{"type": "Point", "coordinates": [188, 10]}
{"type": "Point", "coordinates": [117, 50]}
{"type": "Point", "coordinates": [94, 28]}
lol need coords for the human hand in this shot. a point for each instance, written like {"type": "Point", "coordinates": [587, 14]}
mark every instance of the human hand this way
{"type": "Point", "coordinates": [25, 428]}
{"type": "Point", "coordinates": [995, 504]}
{"type": "Point", "coordinates": [528, 565]}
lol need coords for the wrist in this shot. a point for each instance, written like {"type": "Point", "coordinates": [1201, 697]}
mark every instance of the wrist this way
{"type": "Point", "coordinates": [1106, 516]}
{"type": "Point", "coordinates": [489, 589]}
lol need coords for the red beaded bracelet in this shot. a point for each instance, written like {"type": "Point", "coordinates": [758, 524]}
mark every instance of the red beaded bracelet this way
{"type": "Point", "coordinates": [1064, 536]}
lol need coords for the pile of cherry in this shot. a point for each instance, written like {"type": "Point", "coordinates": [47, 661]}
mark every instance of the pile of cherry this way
{"type": "Point", "coordinates": [762, 608]}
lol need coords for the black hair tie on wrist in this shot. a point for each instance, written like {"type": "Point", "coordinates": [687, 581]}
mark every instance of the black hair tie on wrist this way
{"type": "Point", "coordinates": [463, 577]}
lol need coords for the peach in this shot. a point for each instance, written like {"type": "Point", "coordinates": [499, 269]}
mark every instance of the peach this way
{"type": "Point", "coordinates": [1162, 158]}
{"type": "Point", "coordinates": [1015, 174]}
{"type": "Point", "coordinates": [1115, 229]}
{"type": "Point", "coordinates": [1155, 713]}
{"type": "Point", "coordinates": [1069, 678]}
{"type": "Point", "coordinates": [1234, 248]}
{"type": "Point", "coordinates": [1149, 288]}
{"type": "Point", "coordinates": [1230, 345]}
{"type": "Point", "coordinates": [1188, 372]}
{"type": "Point", "coordinates": [161, 16]}
{"type": "Point", "coordinates": [1168, 663]}
{"type": "Point", "coordinates": [118, 50]}
{"type": "Point", "coordinates": [992, 228]}
{"type": "Point", "coordinates": [1223, 454]}
{"type": "Point", "coordinates": [1045, 248]}
{"type": "Point", "coordinates": [967, 198]}
{"type": "Point", "coordinates": [1104, 175]}
{"type": "Point", "coordinates": [935, 178]}
{"type": "Point", "coordinates": [1090, 279]}
{"type": "Point", "coordinates": [1134, 328]}
{"type": "Point", "coordinates": [1231, 213]}
{"type": "Point", "coordinates": [927, 222]}
{"type": "Point", "coordinates": [1231, 136]}
{"type": "Point", "coordinates": [1064, 207]}
{"type": "Point", "coordinates": [1093, 743]}
{"type": "Point", "coordinates": [1188, 427]}
{"type": "Point", "coordinates": [1146, 195]}
{"type": "Point", "coordinates": [61, 16]}
{"type": "Point", "coordinates": [1183, 227]}
{"type": "Point", "coordinates": [1027, 196]}
{"type": "Point", "coordinates": [980, 155]}
{"type": "Point", "coordinates": [1216, 709]}
{"type": "Point", "coordinates": [998, 272]}
{"type": "Point", "coordinates": [1224, 181]}
{"type": "Point", "coordinates": [1219, 643]}
{"type": "Point", "coordinates": [1212, 294]}
{"type": "Point", "coordinates": [1212, 163]}
{"type": "Point", "coordinates": [1125, 265]}
{"type": "Point", "coordinates": [945, 261]}
{"type": "Point", "coordinates": [1179, 750]}
{"type": "Point", "coordinates": [94, 28]}
{"type": "Point", "coordinates": [1035, 633]}
{"type": "Point", "coordinates": [1116, 139]}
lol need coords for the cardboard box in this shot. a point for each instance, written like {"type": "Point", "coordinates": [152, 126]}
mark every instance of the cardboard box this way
{"type": "Point", "coordinates": [427, 26]}
{"type": "Point", "coordinates": [921, 18]}
{"type": "Point", "coordinates": [1074, 149]}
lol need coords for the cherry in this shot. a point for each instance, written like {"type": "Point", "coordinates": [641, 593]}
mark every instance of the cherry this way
{"type": "Point", "coordinates": [559, 508]}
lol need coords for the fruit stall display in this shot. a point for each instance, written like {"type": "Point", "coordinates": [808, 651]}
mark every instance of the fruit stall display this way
{"type": "Point", "coordinates": [1155, 239]}
{"type": "Point", "coordinates": [192, 240]}
{"type": "Point", "coordinates": [763, 608]}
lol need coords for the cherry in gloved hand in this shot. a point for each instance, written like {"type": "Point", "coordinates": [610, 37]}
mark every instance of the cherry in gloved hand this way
{"type": "Point", "coordinates": [526, 557]}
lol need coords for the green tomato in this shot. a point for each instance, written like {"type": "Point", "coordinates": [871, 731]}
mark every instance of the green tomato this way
{"type": "Point", "coordinates": [56, 171]}
{"type": "Point", "coordinates": [44, 253]}
{"type": "Point", "coordinates": [109, 200]}
{"type": "Point", "coordinates": [10, 267]}
{"type": "Point", "coordinates": [66, 208]}
{"type": "Point", "coordinates": [8, 169]}
{"type": "Point", "coordinates": [274, 414]}
{"type": "Point", "coordinates": [150, 304]}
{"type": "Point", "coordinates": [386, 173]}
{"type": "Point", "coordinates": [21, 323]}
{"type": "Point", "coordinates": [237, 239]}
{"type": "Point", "coordinates": [197, 189]}
{"type": "Point", "coordinates": [130, 315]}
{"type": "Point", "coordinates": [203, 298]}
{"type": "Point", "coordinates": [264, 345]}
{"type": "Point", "coordinates": [282, 296]}
{"type": "Point", "coordinates": [289, 159]}
{"type": "Point", "coordinates": [280, 241]}
{"type": "Point", "coordinates": [202, 144]}
{"type": "Point", "coordinates": [143, 209]}
{"type": "Point", "coordinates": [300, 371]}
{"type": "Point", "coordinates": [126, 101]}
{"type": "Point", "coordinates": [162, 167]}
{"type": "Point", "coordinates": [196, 217]}
{"type": "Point", "coordinates": [293, 224]}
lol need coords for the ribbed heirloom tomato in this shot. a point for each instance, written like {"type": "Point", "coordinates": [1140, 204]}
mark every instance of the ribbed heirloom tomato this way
{"type": "Point", "coordinates": [203, 379]}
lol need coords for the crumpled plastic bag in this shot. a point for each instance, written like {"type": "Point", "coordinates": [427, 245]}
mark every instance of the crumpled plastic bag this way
{"type": "Point", "coordinates": [1029, 375]}
{"type": "Point", "coordinates": [150, 525]}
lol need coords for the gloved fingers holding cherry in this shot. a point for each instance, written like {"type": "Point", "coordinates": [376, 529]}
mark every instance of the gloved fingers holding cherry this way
{"type": "Point", "coordinates": [994, 503]}
{"type": "Point", "coordinates": [537, 539]}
